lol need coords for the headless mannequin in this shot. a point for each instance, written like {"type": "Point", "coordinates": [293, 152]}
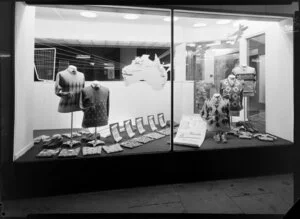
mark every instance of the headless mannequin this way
{"type": "Point", "coordinates": [220, 135]}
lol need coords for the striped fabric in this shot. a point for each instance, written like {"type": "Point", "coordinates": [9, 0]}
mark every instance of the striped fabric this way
{"type": "Point", "coordinates": [68, 87]}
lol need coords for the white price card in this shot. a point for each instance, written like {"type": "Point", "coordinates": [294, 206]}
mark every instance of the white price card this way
{"type": "Point", "coordinates": [152, 123]}
{"type": "Point", "coordinates": [139, 124]}
{"type": "Point", "coordinates": [128, 128]}
{"type": "Point", "coordinates": [161, 120]}
{"type": "Point", "coordinates": [115, 132]}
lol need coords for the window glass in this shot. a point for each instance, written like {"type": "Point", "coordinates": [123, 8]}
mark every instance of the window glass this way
{"type": "Point", "coordinates": [231, 87]}
{"type": "Point", "coordinates": [91, 80]}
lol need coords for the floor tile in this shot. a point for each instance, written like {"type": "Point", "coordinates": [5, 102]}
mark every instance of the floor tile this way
{"type": "Point", "coordinates": [262, 204]}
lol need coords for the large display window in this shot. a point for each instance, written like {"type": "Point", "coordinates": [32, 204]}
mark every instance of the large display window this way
{"type": "Point", "coordinates": [233, 80]}
{"type": "Point", "coordinates": [96, 81]}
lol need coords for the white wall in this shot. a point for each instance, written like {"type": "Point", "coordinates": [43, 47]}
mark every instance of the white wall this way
{"type": "Point", "coordinates": [125, 103]}
{"type": "Point", "coordinates": [24, 104]}
{"type": "Point", "coordinates": [279, 81]}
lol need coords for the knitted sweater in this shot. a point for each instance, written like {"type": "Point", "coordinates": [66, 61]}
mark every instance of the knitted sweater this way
{"type": "Point", "coordinates": [215, 112]}
{"type": "Point", "coordinates": [247, 75]}
{"type": "Point", "coordinates": [234, 93]}
{"type": "Point", "coordinates": [68, 86]}
{"type": "Point", "coordinates": [94, 102]}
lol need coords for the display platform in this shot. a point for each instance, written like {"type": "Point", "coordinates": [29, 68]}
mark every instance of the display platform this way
{"type": "Point", "coordinates": [155, 146]}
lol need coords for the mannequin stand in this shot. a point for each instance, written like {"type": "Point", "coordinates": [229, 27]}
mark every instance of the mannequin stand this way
{"type": "Point", "coordinates": [71, 129]}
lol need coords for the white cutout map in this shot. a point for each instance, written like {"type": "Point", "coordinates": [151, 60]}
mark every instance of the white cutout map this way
{"type": "Point", "coordinates": [144, 69]}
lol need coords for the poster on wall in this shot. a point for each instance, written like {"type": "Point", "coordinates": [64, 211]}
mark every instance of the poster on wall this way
{"type": "Point", "coordinates": [151, 122]}
{"type": "Point", "coordinates": [191, 131]}
{"type": "Point", "coordinates": [139, 125]}
{"type": "Point", "coordinates": [161, 120]}
{"type": "Point", "coordinates": [128, 128]}
{"type": "Point", "coordinates": [114, 130]}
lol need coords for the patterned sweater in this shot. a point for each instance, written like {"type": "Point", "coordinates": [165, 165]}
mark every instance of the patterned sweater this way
{"type": "Point", "coordinates": [215, 112]}
{"type": "Point", "coordinates": [234, 93]}
{"type": "Point", "coordinates": [94, 101]}
{"type": "Point", "coordinates": [68, 86]}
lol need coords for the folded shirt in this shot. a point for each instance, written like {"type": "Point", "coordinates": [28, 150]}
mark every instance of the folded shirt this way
{"type": "Point", "coordinates": [167, 131]}
{"type": "Point", "coordinates": [69, 152]}
{"type": "Point", "coordinates": [53, 143]}
{"type": "Point", "coordinates": [90, 137]}
{"type": "Point", "coordinates": [112, 148]}
{"type": "Point", "coordinates": [95, 143]}
{"type": "Point", "coordinates": [72, 143]}
{"type": "Point", "coordinates": [130, 144]}
{"type": "Point", "coordinates": [74, 135]}
{"type": "Point", "coordinates": [91, 150]}
{"type": "Point", "coordinates": [48, 152]}
{"type": "Point", "coordinates": [154, 135]}
{"type": "Point", "coordinates": [41, 138]}
{"type": "Point", "coordinates": [84, 132]}
{"type": "Point", "coordinates": [143, 139]}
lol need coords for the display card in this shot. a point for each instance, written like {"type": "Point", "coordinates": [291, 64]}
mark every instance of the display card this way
{"type": "Point", "coordinates": [139, 124]}
{"type": "Point", "coordinates": [191, 131]}
{"type": "Point", "coordinates": [114, 129]}
{"type": "Point", "coordinates": [152, 123]}
{"type": "Point", "coordinates": [128, 128]}
{"type": "Point", "coordinates": [161, 120]}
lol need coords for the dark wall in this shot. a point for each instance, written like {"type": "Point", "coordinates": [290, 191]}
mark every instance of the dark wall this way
{"type": "Point", "coordinates": [7, 94]}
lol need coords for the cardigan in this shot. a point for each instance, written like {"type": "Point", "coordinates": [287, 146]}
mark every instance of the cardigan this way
{"type": "Point", "coordinates": [68, 87]}
{"type": "Point", "coordinates": [94, 101]}
{"type": "Point", "coordinates": [234, 93]}
{"type": "Point", "coordinates": [215, 112]}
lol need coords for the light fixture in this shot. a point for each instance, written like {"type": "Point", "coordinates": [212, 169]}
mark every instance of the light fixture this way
{"type": "Point", "coordinates": [88, 14]}
{"type": "Point", "coordinates": [168, 19]}
{"type": "Point", "coordinates": [199, 25]}
{"type": "Point", "coordinates": [83, 56]}
{"type": "Point", "coordinates": [131, 16]}
{"type": "Point", "coordinates": [223, 21]}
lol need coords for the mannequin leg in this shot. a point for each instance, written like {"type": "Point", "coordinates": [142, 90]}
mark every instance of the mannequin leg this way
{"type": "Point", "coordinates": [71, 129]}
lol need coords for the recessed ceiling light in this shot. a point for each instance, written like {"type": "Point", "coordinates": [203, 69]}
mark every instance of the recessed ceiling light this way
{"type": "Point", "coordinates": [131, 16]}
{"type": "Point", "coordinates": [169, 19]}
{"type": "Point", "coordinates": [88, 14]}
{"type": "Point", "coordinates": [200, 25]}
{"type": "Point", "coordinates": [223, 21]}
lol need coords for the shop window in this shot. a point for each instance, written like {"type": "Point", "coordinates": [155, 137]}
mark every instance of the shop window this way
{"type": "Point", "coordinates": [231, 85]}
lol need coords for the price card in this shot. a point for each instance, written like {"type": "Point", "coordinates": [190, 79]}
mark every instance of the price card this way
{"type": "Point", "coordinates": [139, 124]}
{"type": "Point", "coordinates": [152, 123]}
{"type": "Point", "coordinates": [128, 128]}
{"type": "Point", "coordinates": [114, 129]}
{"type": "Point", "coordinates": [161, 120]}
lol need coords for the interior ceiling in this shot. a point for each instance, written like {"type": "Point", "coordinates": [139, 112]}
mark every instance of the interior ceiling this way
{"type": "Point", "coordinates": [114, 15]}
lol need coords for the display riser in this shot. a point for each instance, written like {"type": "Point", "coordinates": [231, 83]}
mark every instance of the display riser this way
{"type": "Point", "coordinates": [60, 177]}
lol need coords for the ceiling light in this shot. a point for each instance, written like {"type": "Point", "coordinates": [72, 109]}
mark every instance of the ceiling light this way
{"type": "Point", "coordinates": [88, 14]}
{"type": "Point", "coordinates": [223, 21]}
{"type": "Point", "coordinates": [200, 25]}
{"type": "Point", "coordinates": [131, 16]}
{"type": "Point", "coordinates": [169, 19]}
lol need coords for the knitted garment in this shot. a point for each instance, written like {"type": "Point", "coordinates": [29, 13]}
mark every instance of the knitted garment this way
{"type": "Point", "coordinates": [68, 86]}
{"type": "Point", "coordinates": [215, 112]}
{"type": "Point", "coordinates": [234, 93]}
{"type": "Point", "coordinates": [248, 77]}
{"type": "Point", "coordinates": [94, 102]}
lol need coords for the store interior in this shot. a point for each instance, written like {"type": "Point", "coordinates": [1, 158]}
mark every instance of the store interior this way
{"type": "Point", "coordinates": [102, 41]}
